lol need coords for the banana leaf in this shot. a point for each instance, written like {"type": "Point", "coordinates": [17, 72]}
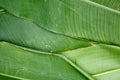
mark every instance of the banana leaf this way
{"type": "Point", "coordinates": [59, 40]}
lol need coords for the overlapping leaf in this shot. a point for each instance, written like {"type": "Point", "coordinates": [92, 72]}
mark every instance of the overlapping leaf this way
{"type": "Point", "coordinates": [35, 31]}
{"type": "Point", "coordinates": [77, 18]}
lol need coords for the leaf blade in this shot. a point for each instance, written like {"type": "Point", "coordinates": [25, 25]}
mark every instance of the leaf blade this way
{"type": "Point", "coordinates": [32, 36]}
{"type": "Point", "coordinates": [84, 18]}
{"type": "Point", "coordinates": [100, 61]}
{"type": "Point", "coordinates": [23, 63]}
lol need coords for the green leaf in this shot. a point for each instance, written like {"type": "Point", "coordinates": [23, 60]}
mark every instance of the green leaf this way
{"type": "Point", "coordinates": [109, 3]}
{"type": "Point", "coordinates": [59, 40]}
{"type": "Point", "coordinates": [25, 64]}
{"type": "Point", "coordinates": [31, 37]}
{"type": "Point", "coordinates": [101, 61]}
{"type": "Point", "coordinates": [27, 34]}
{"type": "Point", "coordinates": [6, 78]}
{"type": "Point", "coordinates": [75, 18]}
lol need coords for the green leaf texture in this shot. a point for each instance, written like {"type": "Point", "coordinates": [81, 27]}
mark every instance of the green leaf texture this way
{"type": "Point", "coordinates": [101, 61]}
{"type": "Point", "coordinates": [59, 40]}
{"type": "Point", "coordinates": [76, 18]}
{"type": "Point", "coordinates": [24, 64]}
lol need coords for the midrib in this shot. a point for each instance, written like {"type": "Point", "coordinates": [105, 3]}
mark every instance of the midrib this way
{"type": "Point", "coordinates": [87, 75]}
{"type": "Point", "coordinates": [84, 73]}
{"type": "Point", "coordinates": [102, 6]}
{"type": "Point", "coordinates": [13, 77]}
{"type": "Point", "coordinates": [106, 72]}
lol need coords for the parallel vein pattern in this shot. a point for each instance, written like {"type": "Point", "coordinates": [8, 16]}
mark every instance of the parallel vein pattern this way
{"type": "Point", "coordinates": [32, 36]}
{"type": "Point", "coordinates": [101, 61]}
{"type": "Point", "coordinates": [93, 22]}
{"type": "Point", "coordinates": [53, 39]}
{"type": "Point", "coordinates": [109, 3]}
{"type": "Point", "coordinates": [21, 63]}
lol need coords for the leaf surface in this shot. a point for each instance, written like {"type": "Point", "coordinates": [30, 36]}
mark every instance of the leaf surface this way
{"type": "Point", "coordinates": [25, 64]}
{"type": "Point", "coordinates": [76, 18]}
{"type": "Point", "coordinates": [59, 40]}
{"type": "Point", "coordinates": [27, 34]}
{"type": "Point", "coordinates": [101, 61]}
